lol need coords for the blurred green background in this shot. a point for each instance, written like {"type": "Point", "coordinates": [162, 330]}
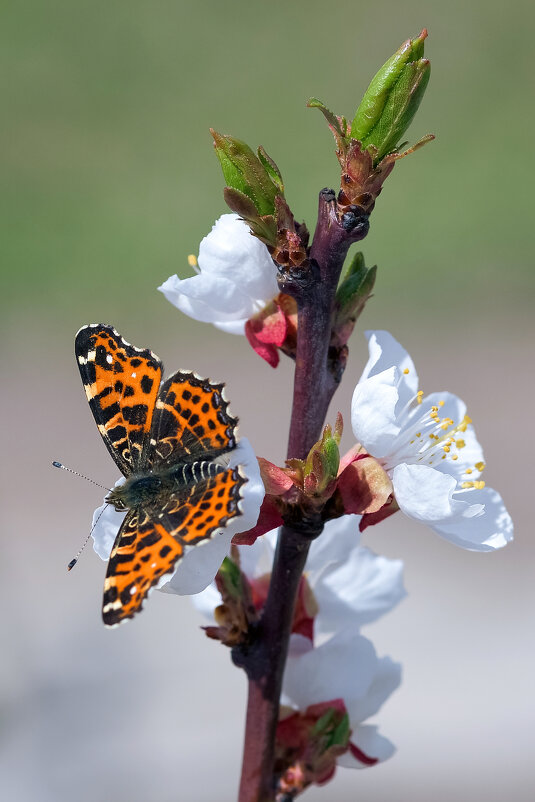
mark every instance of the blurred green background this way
{"type": "Point", "coordinates": [109, 180]}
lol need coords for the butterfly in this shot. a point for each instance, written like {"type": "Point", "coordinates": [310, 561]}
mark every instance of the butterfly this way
{"type": "Point", "coordinates": [171, 441]}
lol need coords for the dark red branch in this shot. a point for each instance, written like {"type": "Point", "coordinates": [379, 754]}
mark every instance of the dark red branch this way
{"type": "Point", "coordinates": [314, 287]}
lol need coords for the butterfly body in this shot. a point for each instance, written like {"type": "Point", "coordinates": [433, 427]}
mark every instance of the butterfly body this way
{"type": "Point", "coordinates": [154, 489]}
{"type": "Point", "coordinates": [173, 443]}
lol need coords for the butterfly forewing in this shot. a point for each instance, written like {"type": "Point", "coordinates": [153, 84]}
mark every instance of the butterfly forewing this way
{"type": "Point", "coordinates": [191, 419]}
{"type": "Point", "coordinates": [121, 384]}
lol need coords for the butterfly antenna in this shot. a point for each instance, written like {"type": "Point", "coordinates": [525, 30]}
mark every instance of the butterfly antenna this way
{"type": "Point", "coordinates": [63, 467]}
{"type": "Point", "coordinates": [84, 544]}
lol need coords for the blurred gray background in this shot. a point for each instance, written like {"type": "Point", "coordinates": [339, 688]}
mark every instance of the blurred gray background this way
{"type": "Point", "coordinates": [109, 182]}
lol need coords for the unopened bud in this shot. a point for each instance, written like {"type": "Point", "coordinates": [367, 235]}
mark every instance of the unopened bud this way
{"type": "Point", "coordinates": [256, 176]}
{"type": "Point", "coordinates": [392, 99]}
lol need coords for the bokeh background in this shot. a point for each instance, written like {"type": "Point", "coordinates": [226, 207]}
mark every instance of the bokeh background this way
{"type": "Point", "coordinates": [109, 181]}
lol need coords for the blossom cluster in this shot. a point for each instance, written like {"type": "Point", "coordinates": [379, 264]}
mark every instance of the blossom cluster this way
{"type": "Point", "coordinates": [426, 444]}
{"type": "Point", "coordinates": [330, 663]}
{"type": "Point", "coordinates": [413, 453]}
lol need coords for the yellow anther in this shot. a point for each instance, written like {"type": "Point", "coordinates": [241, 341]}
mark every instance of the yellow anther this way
{"type": "Point", "coordinates": [476, 485]}
{"type": "Point", "coordinates": [480, 465]}
{"type": "Point", "coordinates": [441, 403]}
{"type": "Point", "coordinates": [419, 396]}
{"type": "Point", "coordinates": [192, 260]}
{"type": "Point", "coordinates": [460, 443]}
{"type": "Point", "coordinates": [446, 449]}
{"type": "Point", "coordinates": [469, 470]}
{"type": "Point", "coordinates": [467, 419]}
{"type": "Point", "coordinates": [444, 457]}
{"type": "Point", "coordinates": [406, 371]}
{"type": "Point", "coordinates": [418, 434]}
{"type": "Point", "coordinates": [444, 426]}
{"type": "Point", "coordinates": [434, 408]}
{"type": "Point", "coordinates": [455, 456]}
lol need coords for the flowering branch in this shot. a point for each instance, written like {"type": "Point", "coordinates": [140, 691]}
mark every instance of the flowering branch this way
{"type": "Point", "coordinates": [188, 480]}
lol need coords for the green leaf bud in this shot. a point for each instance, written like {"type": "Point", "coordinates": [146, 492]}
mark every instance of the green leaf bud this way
{"type": "Point", "coordinates": [392, 98]}
{"type": "Point", "coordinates": [351, 297]}
{"type": "Point", "coordinates": [255, 176]}
{"type": "Point", "coordinates": [322, 463]}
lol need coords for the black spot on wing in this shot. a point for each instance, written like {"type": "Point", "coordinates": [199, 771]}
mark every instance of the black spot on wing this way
{"type": "Point", "coordinates": [146, 384]}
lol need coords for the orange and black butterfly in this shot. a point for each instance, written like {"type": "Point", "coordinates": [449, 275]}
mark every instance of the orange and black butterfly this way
{"type": "Point", "coordinates": [171, 441]}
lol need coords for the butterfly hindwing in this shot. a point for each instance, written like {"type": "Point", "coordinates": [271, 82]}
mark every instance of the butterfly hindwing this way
{"type": "Point", "coordinates": [191, 418]}
{"type": "Point", "coordinates": [121, 383]}
{"type": "Point", "coordinates": [142, 554]}
{"type": "Point", "coordinates": [196, 515]}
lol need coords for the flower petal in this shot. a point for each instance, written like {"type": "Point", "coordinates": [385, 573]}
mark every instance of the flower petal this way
{"type": "Point", "coordinates": [231, 250]}
{"type": "Point", "coordinates": [106, 523]}
{"type": "Point", "coordinates": [236, 278]}
{"type": "Point", "coordinates": [373, 412]}
{"type": "Point", "coordinates": [356, 591]}
{"type": "Point", "coordinates": [210, 299]}
{"type": "Point", "coordinates": [387, 678]}
{"type": "Point", "coordinates": [491, 529]}
{"type": "Point", "coordinates": [426, 494]}
{"type": "Point", "coordinates": [386, 352]}
{"type": "Point", "coordinates": [199, 565]}
{"type": "Point", "coordinates": [341, 668]}
{"type": "Point", "coordinates": [374, 747]}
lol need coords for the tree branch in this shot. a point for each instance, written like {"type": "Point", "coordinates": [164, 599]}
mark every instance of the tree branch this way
{"type": "Point", "coordinates": [314, 287]}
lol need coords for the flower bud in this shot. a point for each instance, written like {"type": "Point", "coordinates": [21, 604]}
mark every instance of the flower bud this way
{"type": "Point", "coordinates": [392, 98]}
{"type": "Point", "coordinates": [256, 176]}
{"type": "Point", "coordinates": [237, 613]}
{"type": "Point", "coordinates": [322, 463]}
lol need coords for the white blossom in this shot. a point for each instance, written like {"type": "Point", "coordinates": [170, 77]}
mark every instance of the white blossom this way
{"type": "Point", "coordinates": [351, 587]}
{"type": "Point", "coordinates": [345, 667]}
{"type": "Point", "coordinates": [236, 278]}
{"type": "Point", "coordinates": [428, 447]}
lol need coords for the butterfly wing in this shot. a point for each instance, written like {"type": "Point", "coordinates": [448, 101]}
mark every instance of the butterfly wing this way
{"type": "Point", "coordinates": [142, 554]}
{"type": "Point", "coordinates": [191, 420]}
{"type": "Point", "coordinates": [196, 514]}
{"type": "Point", "coordinates": [121, 383]}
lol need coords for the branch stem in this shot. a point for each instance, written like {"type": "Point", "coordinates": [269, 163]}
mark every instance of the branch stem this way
{"type": "Point", "coordinates": [314, 386]}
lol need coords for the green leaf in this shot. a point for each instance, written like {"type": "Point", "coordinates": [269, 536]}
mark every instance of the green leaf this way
{"type": "Point", "coordinates": [356, 286]}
